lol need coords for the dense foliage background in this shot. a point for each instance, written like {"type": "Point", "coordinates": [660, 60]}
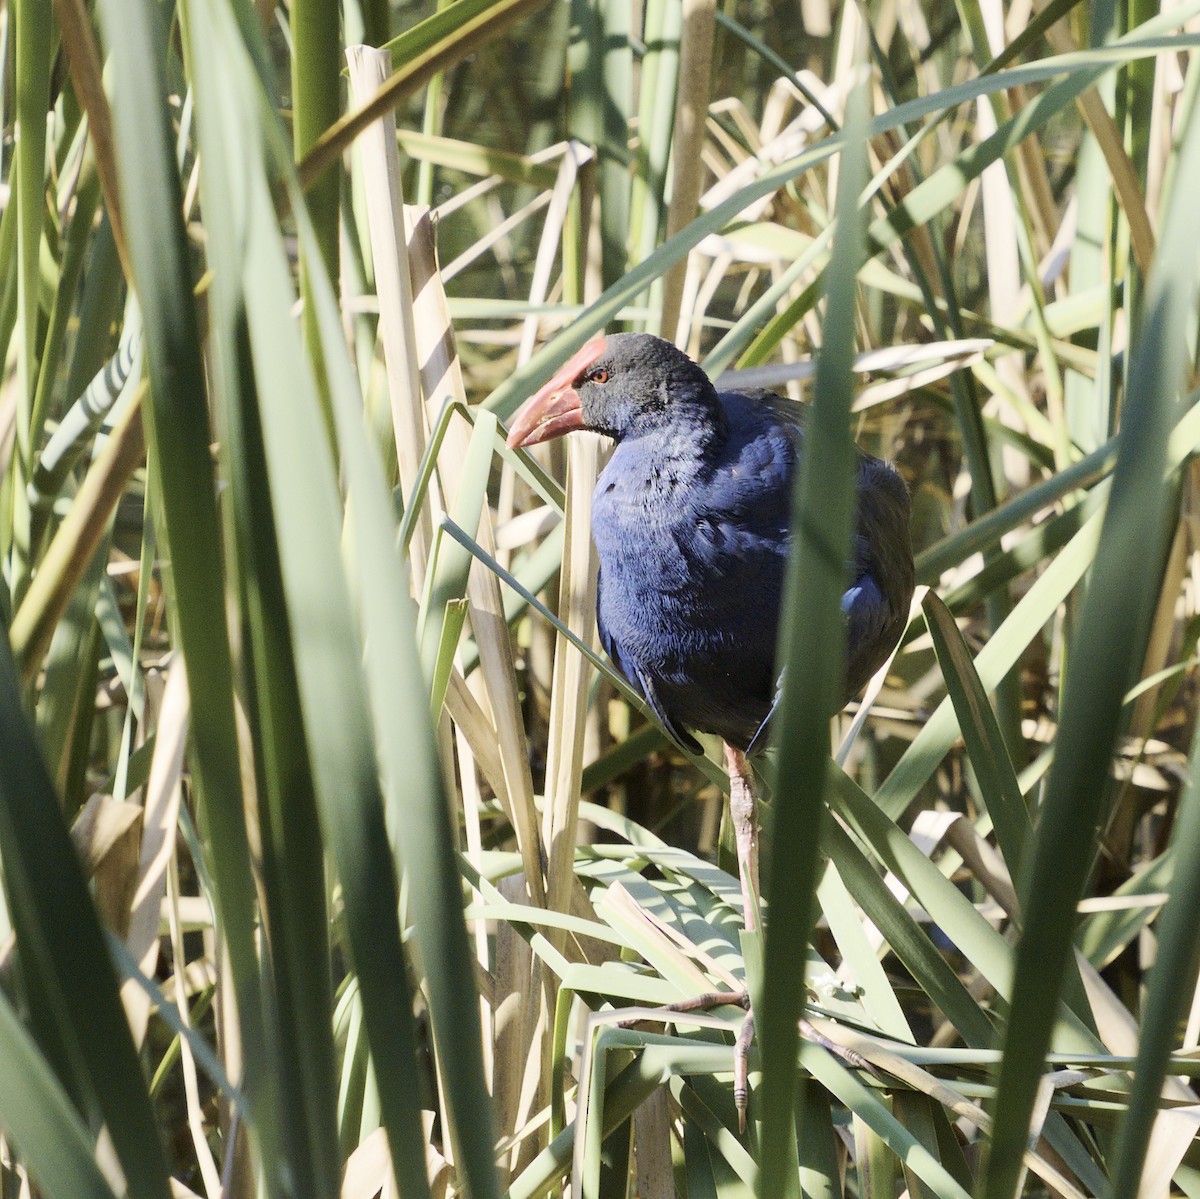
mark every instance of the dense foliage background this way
{"type": "Point", "coordinates": [333, 857]}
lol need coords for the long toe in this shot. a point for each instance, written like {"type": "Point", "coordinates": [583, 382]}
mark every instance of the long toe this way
{"type": "Point", "coordinates": [851, 1057]}
{"type": "Point", "coordinates": [741, 1070]}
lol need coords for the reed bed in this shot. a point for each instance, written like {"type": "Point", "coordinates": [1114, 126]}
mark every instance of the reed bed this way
{"type": "Point", "coordinates": [336, 859]}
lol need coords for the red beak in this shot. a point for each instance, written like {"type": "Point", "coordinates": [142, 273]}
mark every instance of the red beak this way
{"type": "Point", "coordinates": [556, 409]}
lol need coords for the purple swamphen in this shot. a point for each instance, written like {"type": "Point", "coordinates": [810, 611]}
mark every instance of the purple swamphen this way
{"type": "Point", "coordinates": [691, 524]}
{"type": "Point", "coordinates": [690, 519]}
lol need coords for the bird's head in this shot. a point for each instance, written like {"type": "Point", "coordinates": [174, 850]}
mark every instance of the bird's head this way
{"type": "Point", "coordinates": [619, 385]}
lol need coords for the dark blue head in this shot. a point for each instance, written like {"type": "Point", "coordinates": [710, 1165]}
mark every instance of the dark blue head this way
{"type": "Point", "coordinates": [624, 385]}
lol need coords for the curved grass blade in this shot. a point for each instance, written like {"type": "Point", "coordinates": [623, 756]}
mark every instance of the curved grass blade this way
{"type": "Point", "coordinates": [84, 416]}
{"type": "Point", "coordinates": [442, 610]}
{"type": "Point", "coordinates": [1106, 933]}
{"type": "Point", "coordinates": [862, 1101]}
{"type": "Point", "coordinates": [67, 558]}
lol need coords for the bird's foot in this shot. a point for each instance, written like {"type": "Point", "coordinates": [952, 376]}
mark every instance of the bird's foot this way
{"type": "Point", "coordinates": [741, 1059]}
{"type": "Point", "coordinates": [741, 1048]}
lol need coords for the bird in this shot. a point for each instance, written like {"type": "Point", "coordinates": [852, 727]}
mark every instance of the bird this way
{"type": "Point", "coordinates": [691, 526]}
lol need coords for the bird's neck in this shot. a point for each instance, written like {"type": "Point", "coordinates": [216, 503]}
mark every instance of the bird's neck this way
{"type": "Point", "coordinates": [696, 429]}
{"type": "Point", "coordinates": [680, 452]}
{"type": "Point", "coordinates": [655, 474]}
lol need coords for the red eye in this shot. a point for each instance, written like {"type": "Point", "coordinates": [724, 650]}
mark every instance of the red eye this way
{"type": "Point", "coordinates": [597, 375]}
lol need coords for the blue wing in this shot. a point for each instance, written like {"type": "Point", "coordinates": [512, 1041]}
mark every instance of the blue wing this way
{"type": "Point", "coordinates": [868, 615]}
{"type": "Point", "coordinates": [866, 610]}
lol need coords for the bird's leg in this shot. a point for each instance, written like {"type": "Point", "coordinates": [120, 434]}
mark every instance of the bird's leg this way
{"type": "Point", "coordinates": [743, 811]}
{"type": "Point", "coordinates": [743, 805]}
